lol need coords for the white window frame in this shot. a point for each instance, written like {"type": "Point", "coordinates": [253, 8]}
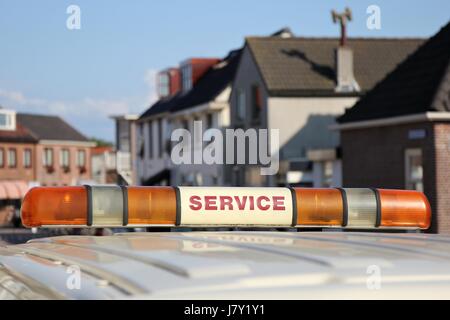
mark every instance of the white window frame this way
{"type": "Point", "coordinates": [48, 161]}
{"type": "Point", "coordinates": [186, 77]}
{"type": "Point", "coordinates": [164, 84]}
{"type": "Point", "coordinates": [409, 183]}
{"type": "Point", "coordinates": [241, 105]}
{"type": "Point", "coordinates": [80, 163]}
{"type": "Point", "coordinates": [27, 162]}
{"type": "Point", "coordinates": [12, 164]}
{"type": "Point", "coordinates": [10, 120]}
{"type": "Point", "coordinates": [62, 158]}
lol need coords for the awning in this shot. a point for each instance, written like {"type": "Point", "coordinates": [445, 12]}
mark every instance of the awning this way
{"type": "Point", "coordinates": [14, 190]}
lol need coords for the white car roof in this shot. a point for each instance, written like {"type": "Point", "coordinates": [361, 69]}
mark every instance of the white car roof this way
{"type": "Point", "coordinates": [236, 265]}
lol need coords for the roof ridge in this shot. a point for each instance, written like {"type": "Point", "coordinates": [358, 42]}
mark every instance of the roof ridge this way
{"type": "Point", "coordinates": [388, 82]}
{"type": "Point", "coordinates": [39, 115]}
{"type": "Point", "coordinates": [322, 38]}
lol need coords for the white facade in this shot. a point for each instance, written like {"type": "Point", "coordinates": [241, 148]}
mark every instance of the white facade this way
{"type": "Point", "coordinates": [103, 164]}
{"type": "Point", "coordinates": [305, 135]}
{"type": "Point", "coordinates": [152, 156]}
{"type": "Point", "coordinates": [155, 145]}
{"type": "Point", "coordinates": [218, 112]}
{"type": "Point", "coordinates": [307, 145]}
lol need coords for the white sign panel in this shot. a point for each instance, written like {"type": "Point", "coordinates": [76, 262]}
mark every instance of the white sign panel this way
{"type": "Point", "coordinates": [235, 206]}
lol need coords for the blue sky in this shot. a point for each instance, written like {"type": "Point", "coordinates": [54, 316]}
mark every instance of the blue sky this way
{"type": "Point", "coordinates": [108, 66]}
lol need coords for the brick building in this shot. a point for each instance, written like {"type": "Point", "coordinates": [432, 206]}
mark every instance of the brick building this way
{"type": "Point", "coordinates": [398, 135]}
{"type": "Point", "coordinates": [42, 150]}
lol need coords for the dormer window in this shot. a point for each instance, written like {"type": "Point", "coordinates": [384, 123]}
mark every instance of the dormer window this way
{"type": "Point", "coordinates": [7, 120]}
{"type": "Point", "coordinates": [164, 85]}
{"type": "Point", "coordinates": [168, 82]}
{"type": "Point", "coordinates": [186, 77]}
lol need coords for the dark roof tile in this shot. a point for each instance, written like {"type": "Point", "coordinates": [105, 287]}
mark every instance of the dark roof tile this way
{"type": "Point", "coordinates": [306, 66]}
{"type": "Point", "coordinates": [20, 135]}
{"type": "Point", "coordinates": [44, 127]}
{"type": "Point", "coordinates": [412, 87]}
{"type": "Point", "coordinates": [207, 88]}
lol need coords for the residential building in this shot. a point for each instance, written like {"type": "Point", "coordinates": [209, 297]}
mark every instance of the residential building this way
{"type": "Point", "coordinates": [38, 150]}
{"type": "Point", "coordinates": [17, 164]}
{"type": "Point", "coordinates": [126, 144]}
{"type": "Point", "coordinates": [205, 85]}
{"type": "Point", "coordinates": [398, 135]}
{"type": "Point", "coordinates": [17, 149]}
{"type": "Point", "coordinates": [299, 85]}
{"type": "Point", "coordinates": [104, 170]}
{"type": "Point", "coordinates": [206, 106]}
{"type": "Point", "coordinates": [62, 154]}
{"type": "Point", "coordinates": [42, 150]}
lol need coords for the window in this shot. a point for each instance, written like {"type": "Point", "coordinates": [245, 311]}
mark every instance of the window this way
{"type": "Point", "coordinates": [12, 158]}
{"type": "Point", "coordinates": [150, 139]}
{"type": "Point", "coordinates": [209, 121]}
{"type": "Point", "coordinates": [2, 157]}
{"type": "Point", "coordinates": [81, 158]}
{"type": "Point", "coordinates": [164, 84]}
{"type": "Point", "coordinates": [140, 140]}
{"type": "Point", "coordinates": [240, 110]}
{"type": "Point", "coordinates": [161, 138]}
{"type": "Point", "coordinates": [186, 77]}
{"type": "Point", "coordinates": [198, 137]}
{"type": "Point", "coordinates": [414, 169]}
{"type": "Point", "coordinates": [48, 157]}
{"type": "Point", "coordinates": [64, 158]}
{"type": "Point", "coordinates": [123, 135]}
{"type": "Point", "coordinates": [256, 103]}
{"type": "Point", "coordinates": [327, 174]}
{"type": "Point", "coordinates": [7, 120]}
{"type": "Point", "coordinates": [27, 158]}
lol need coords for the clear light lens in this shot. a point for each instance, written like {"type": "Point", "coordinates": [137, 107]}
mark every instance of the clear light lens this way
{"type": "Point", "coordinates": [362, 208]}
{"type": "Point", "coordinates": [107, 206]}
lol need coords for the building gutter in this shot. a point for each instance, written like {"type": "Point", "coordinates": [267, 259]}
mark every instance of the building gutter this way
{"type": "Point", "coordinates": [212, 105]}
{"type": "Point", "coordinates": [421, 117]}
{"type": "Point", "coordinates": [68, 143]}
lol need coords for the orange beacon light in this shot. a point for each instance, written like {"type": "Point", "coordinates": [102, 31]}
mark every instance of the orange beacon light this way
{"type": "Point", "coordinates": [120, 206]}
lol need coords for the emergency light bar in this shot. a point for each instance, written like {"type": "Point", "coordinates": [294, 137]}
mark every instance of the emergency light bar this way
{"type": "Point", "coordinates": [115, 206]}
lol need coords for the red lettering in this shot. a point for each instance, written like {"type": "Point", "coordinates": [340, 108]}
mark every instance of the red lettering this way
{"type": "Point", "coordinates": [195, 203]}
{"type": "Point", "coordinates": [278, 203]}
{"type": "Point", "coordinates": [252, 203]}
{"type": "Point", "coordinates": [210, 203]}
{"type": "Point", "coordinates": [226, 201]}
{"type": "Point", "coordinates": [260, 205]}
{"type": "Point", "coordinates": [240, 205]}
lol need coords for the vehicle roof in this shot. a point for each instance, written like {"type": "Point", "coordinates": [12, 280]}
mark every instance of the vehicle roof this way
{"type": "Point", "coordinates": [237, 265]}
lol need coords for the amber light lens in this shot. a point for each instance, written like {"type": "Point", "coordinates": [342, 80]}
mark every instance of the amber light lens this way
{"type": "Point", "coordinates": [151, 205]}
{"type": "Point", "coordinates": [54, 206]}
{"type": "Point", "coordinates": [319, 207]}
{"type": "Point", "coordinates": [404, 208]}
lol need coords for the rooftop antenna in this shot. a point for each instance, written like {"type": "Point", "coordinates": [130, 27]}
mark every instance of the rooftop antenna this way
{"type": "Point", "coordinates": [342, 18]}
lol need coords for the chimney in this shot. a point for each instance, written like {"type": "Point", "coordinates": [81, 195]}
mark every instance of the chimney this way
{"type": "Point", "coordinates": [345, 78]}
